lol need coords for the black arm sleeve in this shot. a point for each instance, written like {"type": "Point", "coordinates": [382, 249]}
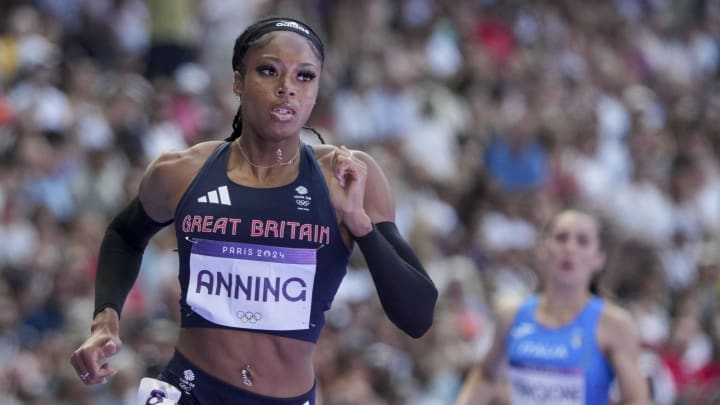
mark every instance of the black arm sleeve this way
{"type": "Point", "coordinates": [120, 255]}
{"type": "Point", "coordinates": [406, 292]}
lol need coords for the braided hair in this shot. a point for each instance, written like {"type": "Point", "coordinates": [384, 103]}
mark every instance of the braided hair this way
{"type": "Point", "coordinates": [250, 39]}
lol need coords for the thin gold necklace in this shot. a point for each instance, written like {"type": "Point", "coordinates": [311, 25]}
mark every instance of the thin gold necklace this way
{"type": "Point", "coordinates": [279, 163]}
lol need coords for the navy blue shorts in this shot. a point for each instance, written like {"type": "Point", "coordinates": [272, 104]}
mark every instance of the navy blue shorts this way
{"type": "Point", "coordinates": [200, 388]}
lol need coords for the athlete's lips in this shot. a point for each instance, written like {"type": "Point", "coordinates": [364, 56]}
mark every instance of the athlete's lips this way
{"type": "Point", "coordinates": [566, 265]}
{"type": "Point", "coordinates": [283, 108]}
{"type": "Point", "coordinates": [283, 112]}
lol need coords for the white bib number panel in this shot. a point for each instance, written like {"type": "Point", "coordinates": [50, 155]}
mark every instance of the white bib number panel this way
{"type": "Point", "coordinates": [534, 386]}
{"type": "Point", "coordinates": [251, 286]}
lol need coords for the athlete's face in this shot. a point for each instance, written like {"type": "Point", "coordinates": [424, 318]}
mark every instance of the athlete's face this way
{"type": "Point", "coordinates": [279, 85]}
{"type": "Point", "coordinates": [570, 251]}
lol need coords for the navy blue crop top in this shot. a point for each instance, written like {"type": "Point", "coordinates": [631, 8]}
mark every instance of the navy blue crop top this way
{"type": "Point", "coordinates": [266, 260]}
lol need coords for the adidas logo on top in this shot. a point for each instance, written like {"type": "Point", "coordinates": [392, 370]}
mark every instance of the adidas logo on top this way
{"type": "Point", "coordinates": [219, 196]}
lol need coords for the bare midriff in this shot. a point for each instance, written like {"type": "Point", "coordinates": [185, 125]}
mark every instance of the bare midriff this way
{"type": "Point", "coordinates": [279, 367]}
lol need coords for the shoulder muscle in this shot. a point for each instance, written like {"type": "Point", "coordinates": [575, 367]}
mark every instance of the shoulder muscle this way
{"type": "Point", "coordinates": [616, 326]}
{"type": "Point", "coordinates": [168, 176]}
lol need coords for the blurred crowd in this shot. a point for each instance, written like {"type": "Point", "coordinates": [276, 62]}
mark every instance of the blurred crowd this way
{"type": "Point", "coordinates": [487, 116]}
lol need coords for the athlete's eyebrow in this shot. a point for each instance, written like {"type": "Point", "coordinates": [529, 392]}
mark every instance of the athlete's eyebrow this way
{"type": "Point", "coordinates": [280, 61]}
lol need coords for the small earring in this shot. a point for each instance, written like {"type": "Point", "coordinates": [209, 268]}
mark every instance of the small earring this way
{"type": "Point", "coordinates": [237, 96]}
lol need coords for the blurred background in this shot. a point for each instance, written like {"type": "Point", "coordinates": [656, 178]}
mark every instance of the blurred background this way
{"type": "Point", "coordinates": [486, 115]}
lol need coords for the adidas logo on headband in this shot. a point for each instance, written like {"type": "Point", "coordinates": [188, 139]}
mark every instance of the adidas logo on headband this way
{"type": "Point", "coordinates": [280, 24]}
{"type": "Point", "coordinates": [292, 24]}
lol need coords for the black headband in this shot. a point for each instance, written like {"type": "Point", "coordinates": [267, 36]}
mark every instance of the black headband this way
{"type": "Point", "coordinates": [285, 24]}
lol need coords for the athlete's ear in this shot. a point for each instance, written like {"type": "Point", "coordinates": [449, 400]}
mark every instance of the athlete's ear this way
{"type": "Point", "coordinates": [237, 83]}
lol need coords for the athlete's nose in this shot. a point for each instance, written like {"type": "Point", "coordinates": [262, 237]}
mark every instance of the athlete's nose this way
{"type": "Point", "coordinates": [284, 88]}
{"type": "Point", "coordinates": [284, 91]}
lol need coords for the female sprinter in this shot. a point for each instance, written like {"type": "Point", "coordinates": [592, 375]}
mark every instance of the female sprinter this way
{"type": "Point", "coordinates": [265, 225]}
{"type": "Point", "coordinates": [564, 346]}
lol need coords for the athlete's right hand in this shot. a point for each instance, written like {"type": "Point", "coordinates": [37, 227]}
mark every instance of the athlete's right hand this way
{"type": "Point", "coordinates": [104, 341]}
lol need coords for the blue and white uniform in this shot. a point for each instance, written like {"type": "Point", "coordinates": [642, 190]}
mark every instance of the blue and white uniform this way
{"type": "Point", "coordinates": [558, 366]}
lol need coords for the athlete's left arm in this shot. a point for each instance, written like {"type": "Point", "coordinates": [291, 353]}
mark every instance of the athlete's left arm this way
{"type": "Point", "coordinates": [619, 338]}
{"type": "Point", "coordinates": [363, 198]}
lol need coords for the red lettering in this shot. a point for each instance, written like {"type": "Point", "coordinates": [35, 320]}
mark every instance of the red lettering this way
{"type": "Point", "coordinates": [324, 237]}
{"type": "Point", "coordinates": [235, 222]}
{"type": "Point", "coordinates": [306, 232]}
{"type": "Point", "coordinates": [187, 221]}
{"type": "Point", "coordinates": [220, 225]}
{"type": "Point", "coordinates": [271, 227]}
{"type": "Point", "coordinates": [293, 228]}
{"type": "Point", "coordinates": [256, 228]}
{"type": "Point", "coordinates": [207, 223]}
{"type": "Point", "coordinates": [196, 223]}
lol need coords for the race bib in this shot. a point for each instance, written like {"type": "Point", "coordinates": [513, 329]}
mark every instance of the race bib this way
{"type": "Point", "coordinates": [534, 386]}
{"type": "Point", "coordinates": [251, 286]}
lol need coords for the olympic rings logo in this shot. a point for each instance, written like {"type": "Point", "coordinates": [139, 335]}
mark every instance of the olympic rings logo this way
{"type": "Point", "coordinates": [302, 203]}
{"type": "Point", "coordinates": [248, 317]}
